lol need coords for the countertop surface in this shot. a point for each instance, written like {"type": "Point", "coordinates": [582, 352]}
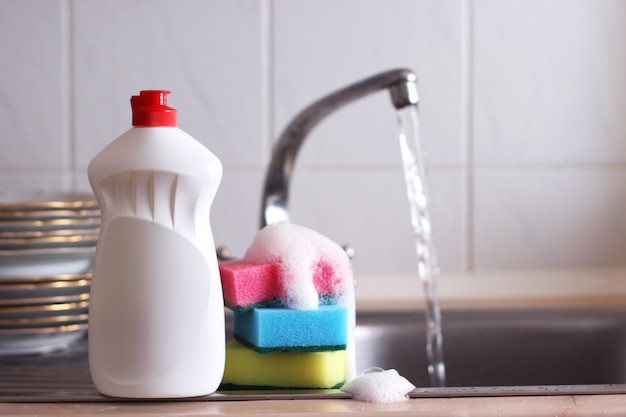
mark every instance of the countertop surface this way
{"type": "Point", "coordinates": [583, 405]}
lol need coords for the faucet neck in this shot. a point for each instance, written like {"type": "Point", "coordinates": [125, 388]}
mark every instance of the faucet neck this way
{"type": "Point", "coordinates": [402, 85]}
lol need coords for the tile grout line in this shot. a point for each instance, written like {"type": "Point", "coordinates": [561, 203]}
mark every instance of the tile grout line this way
{"type": "Point", "coordinates": [267, 79]}
{"type": "Point", "coordinates": [65, 107]}
{"type": "Point", "coordinates": [467, 90]}
{"type": "Point", "coordinates": [69, 136]}
{"type": "Point", "coordinates": [267, 85]}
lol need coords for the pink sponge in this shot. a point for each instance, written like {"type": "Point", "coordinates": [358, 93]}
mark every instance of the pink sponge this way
{"type": "Point", "coordinates": [310, 264]}
{"type": "Point", "coordinates": [248, 285]}
{"type": "Point", "coordinates": [326, 281]}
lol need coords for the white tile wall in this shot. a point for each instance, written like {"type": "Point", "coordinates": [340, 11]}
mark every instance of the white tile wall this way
{"type": "Point", "coordinates": [522, 106]}
{"type": "Point", "coordinates": [549, 138]}
{"type": "Point", "coordinates": [35, 140]}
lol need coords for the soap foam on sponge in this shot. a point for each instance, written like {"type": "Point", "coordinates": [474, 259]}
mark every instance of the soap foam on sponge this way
{"type": "Point", "coordinates": [299, 253]}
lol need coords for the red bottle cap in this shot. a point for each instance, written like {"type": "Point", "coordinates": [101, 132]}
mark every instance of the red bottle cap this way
{"type": "Point", "coordinates": [150, 109]}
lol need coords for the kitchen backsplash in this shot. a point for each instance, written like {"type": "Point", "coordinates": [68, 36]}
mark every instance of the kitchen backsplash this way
{"type": "Point", "coordinates": [522, 105]}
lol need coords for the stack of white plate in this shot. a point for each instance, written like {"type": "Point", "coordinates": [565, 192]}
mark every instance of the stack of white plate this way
{"type": "Point", "coordinates": [47, 246]}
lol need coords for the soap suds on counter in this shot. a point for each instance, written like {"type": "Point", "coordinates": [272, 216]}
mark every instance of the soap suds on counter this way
{"type": "Point", "coordinates": [376, 385]}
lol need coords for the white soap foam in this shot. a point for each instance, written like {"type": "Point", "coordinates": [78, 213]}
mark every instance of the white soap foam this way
{"type": "Point", "coordinates": [379, 386]}
{"type": "Point", "coordinates": [299, 250]}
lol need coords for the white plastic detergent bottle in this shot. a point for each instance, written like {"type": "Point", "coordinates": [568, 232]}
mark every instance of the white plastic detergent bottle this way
{"type": "Point", "coordinates": [156, 317]}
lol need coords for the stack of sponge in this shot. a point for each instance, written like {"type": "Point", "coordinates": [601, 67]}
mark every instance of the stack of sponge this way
{"type": "Point", "coordinates": [292, 297]}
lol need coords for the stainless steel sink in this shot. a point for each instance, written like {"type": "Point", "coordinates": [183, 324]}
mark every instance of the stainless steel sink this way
{"type": "Point", "coordinates": [502, 347]}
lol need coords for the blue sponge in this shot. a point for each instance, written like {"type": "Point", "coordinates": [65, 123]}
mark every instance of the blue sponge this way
{"type": "Point", "coordinates": [287, 330]}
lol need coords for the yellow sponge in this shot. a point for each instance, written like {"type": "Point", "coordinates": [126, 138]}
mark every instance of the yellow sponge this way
{"type": "Point", "coordinates": [247, 368]}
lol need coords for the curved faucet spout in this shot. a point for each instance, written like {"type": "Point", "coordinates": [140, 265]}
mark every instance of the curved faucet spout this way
{"type": "Point", "coordinates": [401, 84]}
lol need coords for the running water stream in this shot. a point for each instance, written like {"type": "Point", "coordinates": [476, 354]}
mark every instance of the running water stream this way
{"type": "Point", "coordinates": [427, 266]}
